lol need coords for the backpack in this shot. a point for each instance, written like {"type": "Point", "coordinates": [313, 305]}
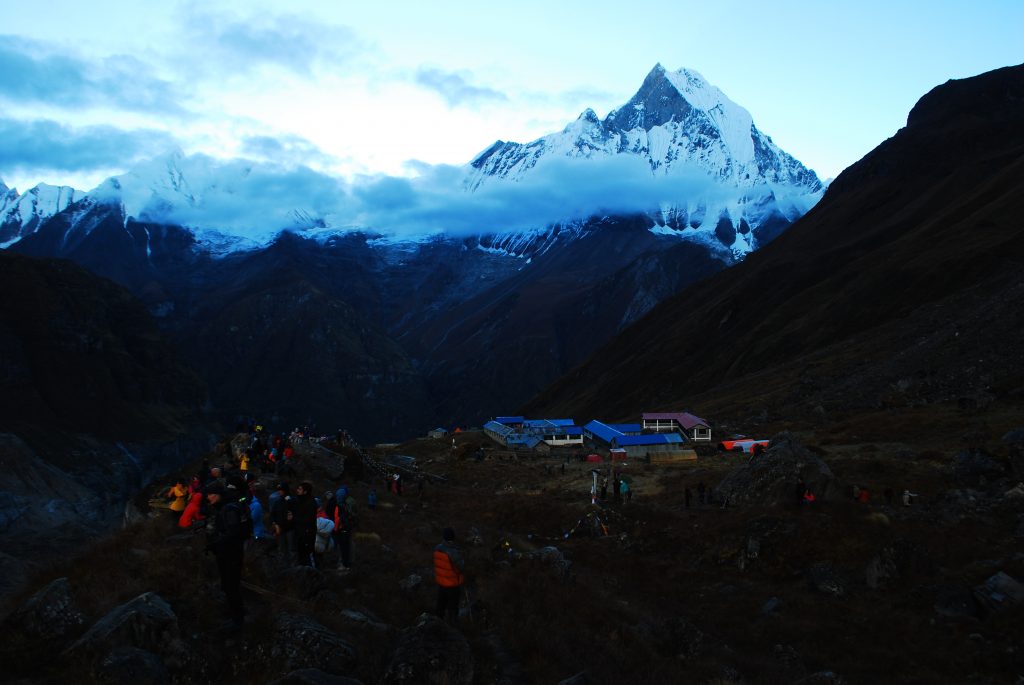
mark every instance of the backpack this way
{"type": "Point", "coordinates": [244, 517]}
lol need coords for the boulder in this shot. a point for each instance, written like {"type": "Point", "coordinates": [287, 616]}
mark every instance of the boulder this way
{"type": "Point", "coordinates": [823, 578]}
{"type": "Point", "coordinates": [51, 612]}
{"type": "Point", "coordinates": [998, 593]}
{"type": "Point", "coordinates": [146, 622]}
{"type": "Point", "coordinates": [132, 666]}
{"type": "Point", "coordinates": [772, 478]}
{"type": "Point", "coordinates": [300, 642]}
{"type": "Point", "coordinates": [364, 621]}
{"type": "Point", "coordinates": [431, 652]}
{"type": "Point", "coordinates": [313, 676]}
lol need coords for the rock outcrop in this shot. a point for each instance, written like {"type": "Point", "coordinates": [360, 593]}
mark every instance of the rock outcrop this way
{"type": "Point", "coordinates": [431, 652]}
{"type": "Point", "coordinates": [773, 477]}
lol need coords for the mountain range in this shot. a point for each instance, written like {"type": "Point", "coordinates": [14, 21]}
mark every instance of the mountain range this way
{"type": "Point", "coordinates": [393, 331]}
{"type": "Point", "coordinates": [902, 289]}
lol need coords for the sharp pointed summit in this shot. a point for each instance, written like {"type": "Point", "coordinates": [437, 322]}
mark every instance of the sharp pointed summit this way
{"type": "Point", "coordinates": [684, 128]}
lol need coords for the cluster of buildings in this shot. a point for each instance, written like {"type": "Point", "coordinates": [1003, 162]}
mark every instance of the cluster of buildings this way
{"type": "Point", "coordinates": [658, 434]}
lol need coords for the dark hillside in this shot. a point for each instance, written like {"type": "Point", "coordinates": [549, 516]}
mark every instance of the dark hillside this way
{"type": "Point", "coordinates": [93, 404]}
{"type": "Point", "coordinates": [902, 287]}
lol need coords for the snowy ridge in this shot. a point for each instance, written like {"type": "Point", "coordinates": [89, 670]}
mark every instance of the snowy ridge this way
{"type": "Point", "coordinates": [679, 150]}
{"type": "Point", "coordinates": [677, 123]}
{"type": "Point", "coordinates": [20, 215]}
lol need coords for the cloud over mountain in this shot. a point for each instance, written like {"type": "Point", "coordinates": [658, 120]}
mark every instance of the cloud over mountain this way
{"type": "Point", "coordinates": [50, 145]}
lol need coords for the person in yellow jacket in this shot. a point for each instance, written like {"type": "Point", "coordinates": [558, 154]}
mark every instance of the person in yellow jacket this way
{"type": "Point", "coordinates": [243, 461]}
{"type": "Point", "coordinates": [448, 574]}
{"type": "Point", "coordinates": [178, 493]}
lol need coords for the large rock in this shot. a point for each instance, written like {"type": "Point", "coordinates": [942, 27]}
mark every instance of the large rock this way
{"type": "Point", "coordinates": [998, 593]}
{"type": "Point", "coordinates": [772, 478]}
{"type": "Point", "coordinates": [146, 622]}
{"type": "Point", "coordinates": [431, 652]}
{"type": "Point", "coordinates": [51, 612]}
{"type": "Point", "coordinates": [314, 676]}
{"type": "Point", "coordinates": [300, 642]}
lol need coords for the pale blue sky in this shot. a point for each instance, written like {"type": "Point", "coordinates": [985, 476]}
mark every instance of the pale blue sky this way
{"type": "Point", "coordinates": [356, 87]}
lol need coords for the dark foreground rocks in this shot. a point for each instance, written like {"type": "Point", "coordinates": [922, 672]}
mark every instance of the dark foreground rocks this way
{"type": "Point", "coordinates": [431, 652]}
{"type": "Point", "coordinates": [774, 477]}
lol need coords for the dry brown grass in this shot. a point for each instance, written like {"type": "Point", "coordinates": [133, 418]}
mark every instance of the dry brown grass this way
{"type": "Point", "coordinates": [661, 562]}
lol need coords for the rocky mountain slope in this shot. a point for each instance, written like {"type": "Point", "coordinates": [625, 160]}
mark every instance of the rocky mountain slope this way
{"type": "Point", "coordinates": [94, 404]}
{"type": "Point", "coordinates": [901, 288]}
{"type": "Point", "coordinates": [398, 333]}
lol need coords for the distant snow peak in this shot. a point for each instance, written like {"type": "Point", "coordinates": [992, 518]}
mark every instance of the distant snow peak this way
{"type": "Point", "coordinates": [22, 214]}
{"type": "Point", "coordinates": [678, 124]}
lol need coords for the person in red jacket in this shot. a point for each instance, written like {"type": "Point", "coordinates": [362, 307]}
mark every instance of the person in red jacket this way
{"type": "Point", "coordinates": [192, 511]}
{"type": "Point", "coordinates": [448, 568]}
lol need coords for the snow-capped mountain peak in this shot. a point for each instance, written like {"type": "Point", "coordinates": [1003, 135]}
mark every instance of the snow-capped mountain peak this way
{"type": "Point", "coordinates": [684, 129]}
{"type": "Point", "coordinates": [21, 214]}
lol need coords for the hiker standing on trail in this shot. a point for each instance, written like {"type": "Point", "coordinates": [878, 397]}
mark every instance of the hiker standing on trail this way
{"type": "Point", "coordinates": [627, 492]}
{"type": "Point", "coordinates": [304, 519]}
{"type": "Point", "coordinates": [324, 534]}
{"type": "Point", "coordinates": [281, 521]}
{"type": "Point", "coordinates": [227, 541]}
{"type": "Point", "coordinates": [371, 499]}
{"type": "Point", "coordinates": [256, 512]}
{"type": "Point", "coordinates": [448, 568]}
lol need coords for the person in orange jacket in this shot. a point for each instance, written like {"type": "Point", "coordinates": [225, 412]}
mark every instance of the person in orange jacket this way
{"type": "Point", "coordinates": [448, 568]}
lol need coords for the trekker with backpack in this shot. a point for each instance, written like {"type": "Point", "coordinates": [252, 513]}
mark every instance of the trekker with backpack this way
{"type": "Point", "coordinates": [448, 567]}
{"type": "Point", "coordinates": [232, 527]}
{"type": "Point", "coordinates": [303, 511]}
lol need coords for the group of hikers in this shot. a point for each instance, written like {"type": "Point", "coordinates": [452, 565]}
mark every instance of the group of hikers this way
{"type": "Point", "coordinates": [290, 523]}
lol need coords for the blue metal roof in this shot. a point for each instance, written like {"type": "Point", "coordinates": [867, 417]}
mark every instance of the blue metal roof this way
{"type": "Point", "coordinates": [498, 428]}
{"type": "Point", "coordinates": [509, 419]}
{"type": "Point", "coordinates": [652, 439]}
{"type": "Point", "coordinates": [603, 431]}
{"type": "Point", "coordinates": [574, 430]}
{"type": "Point", "coordinates": [548, 423]}
{"type": "Point", "coordinates": [627, 427]}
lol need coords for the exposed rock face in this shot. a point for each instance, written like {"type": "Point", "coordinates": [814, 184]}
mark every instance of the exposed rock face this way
{"type": "Point", "coordinates": [772, 478]}
{"type": "Point", "coordinates": [999, 593]}
{"type": "Point", "coordinates": [431, 652]}
{"type": "Point", "coordinates": [146, 622]}
{"type": "Point", "coordinates": [301, 642]}
{"type": "Point", "coordinates": [51, 612]}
